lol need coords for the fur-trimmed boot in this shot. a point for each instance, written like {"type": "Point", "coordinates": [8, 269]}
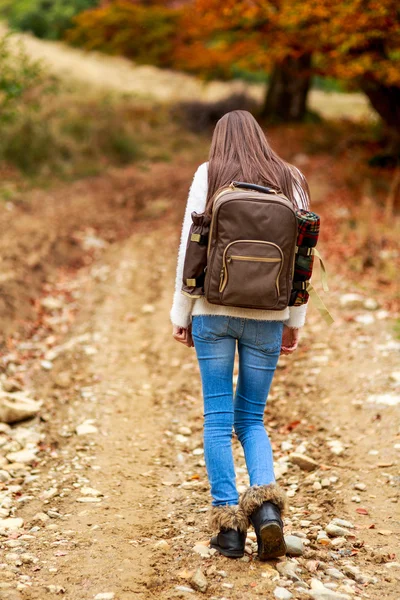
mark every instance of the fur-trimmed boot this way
{"type": "Point", "coordinates": [232, 524]}
{"type": "Point", "coordinates": [264, 506]}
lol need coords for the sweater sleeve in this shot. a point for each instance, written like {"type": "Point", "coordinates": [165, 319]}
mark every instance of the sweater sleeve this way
{"type": "Point", "coordinates": [180, 314]}
{"type": "Point", "coordinates": [297, 316]}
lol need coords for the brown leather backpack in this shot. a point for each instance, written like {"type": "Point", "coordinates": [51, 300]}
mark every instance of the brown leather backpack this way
{"type": "Point", "coordinates": [250, 249]}
{"type": "Point", "coordinates": [256, 251]}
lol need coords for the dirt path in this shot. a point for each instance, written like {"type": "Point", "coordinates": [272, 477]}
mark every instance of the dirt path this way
{"type": "Point", "coordinates": [119, 510]}
{"type": "Point", "coordinates": [116, 74]}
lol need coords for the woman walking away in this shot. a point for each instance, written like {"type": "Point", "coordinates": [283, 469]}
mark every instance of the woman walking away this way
{"type": "Point", "coordinates": [239, 152]}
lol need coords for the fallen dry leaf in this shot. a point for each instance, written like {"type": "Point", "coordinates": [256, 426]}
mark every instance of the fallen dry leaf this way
{"type": "Point", "coordinates": [362, 511]}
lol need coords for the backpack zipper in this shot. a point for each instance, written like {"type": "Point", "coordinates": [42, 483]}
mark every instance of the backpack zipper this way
{"type": "Point", "coordinates": [252, 258]}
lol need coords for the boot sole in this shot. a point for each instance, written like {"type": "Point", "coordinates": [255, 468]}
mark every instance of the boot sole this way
{"type": "Point", "coordinates": [272, 543]}
{"type": "Point", "coordinates": [228, 553]}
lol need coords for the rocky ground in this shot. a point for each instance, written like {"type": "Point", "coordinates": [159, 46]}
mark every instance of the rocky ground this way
{"type": "Point", "coordinates": [103, 492]}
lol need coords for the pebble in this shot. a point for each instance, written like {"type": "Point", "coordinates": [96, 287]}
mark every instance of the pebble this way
{"type": "Point", "coordinates": [320, 592]}
{"type": "Point", "coordinates": [335, 446]}
{"type": "Point", "coordinates": [351, 571]}
{"type": "Point", "coordinates": [342, 523]}
{"type": "Point", "coordinates": [88, 491]}
{"type": "Point", "coordinates": [47, 365]}
{"type": "Point", "coordinates": [86, 428]}
{"type": "Point", "coordinates": [28, 559]}
{"type": "Point", "coordinates": [162, 545]}
{"type": "Point", "coordinates": [336, 531]}
{"type": "Point", "coordinates": [199, 581]}
{"type": "Point", "coordinates": [11, 385]}
{"type": "Point", "coordinates": [323, 539]}
{"type": "Point", "coordinates": [185, 430]}
{"type": "Point", "coordinates": [4, 476]}
{"type": "Point", "coordinates": [17, 407]}
{"type": "Point", "coordinates": [55, 589]}
{"type": "Point", "coordinates": [335, 573]}
{"type": "Point", "coordinates": [356, 499]}
{"type": "Point", "coordinates": [294, 545]}
{"type": "Point", "coordinates": [11, 524]}
{"type": "Point", "coordinates": [204, 551]}
{"type": "Point", "coordinates": [286, 446]}
{"type": "Point", "coordinates": [62, 380]}
{"type": "Point", "coordinates": [105, 596]}
{"type": "Point", "coordinates": [51, 303]}
{"type": "Point", "coordinates": [25, 457]}
{"type": "Point", "coordinates": [371, 304]}
{"type": "Point", "coordinates": [306, 463]}
{"type": "Point", "coordinates": [351, 301]}
{"type": "Point", "coordinates": [360, 487]}
{"type": "Point", "coordinates": [365, 319]}
{"type": "Point", "coordinates": [148, 308]}
{"type": "Point", "coordinates": [288, 569]}
{"type": "Point", "coordinates": [48, 494]}
{"type": "Point", "coordinates": [181, 439]}
{"type": "Point", "coordinates": [281, 593]}
{"type": "Point", "coordinates": [338, 542]}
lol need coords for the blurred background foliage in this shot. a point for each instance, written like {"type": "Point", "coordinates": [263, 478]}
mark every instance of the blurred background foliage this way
{"type": "Point", "coordinates": [290, 47]}
{"type": "Point", "coordinates": [50, 127]}
{"type": "Point", "coordinates": [48, 19]}
{"type": "Point", "coordinates": [282, 53]}
{"type": "Point", "coordinates": [143, 32]}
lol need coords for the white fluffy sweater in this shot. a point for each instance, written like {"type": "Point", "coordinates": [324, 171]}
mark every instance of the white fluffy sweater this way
{"type": "Point", "coordinates": [184, 307]}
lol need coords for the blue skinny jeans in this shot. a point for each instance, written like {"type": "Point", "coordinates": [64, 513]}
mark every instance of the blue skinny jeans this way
{"type": "Point", "coordinates": [259, 344]}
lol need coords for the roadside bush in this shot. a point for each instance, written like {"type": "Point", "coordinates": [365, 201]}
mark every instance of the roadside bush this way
{"type": "Point", "coordinates": [48, 129]}
{"type": "Point", "coordinates": [198, 116]}
{"type": "Point", "coordinates": [47, 19]}
{"type": "Point", "coordinates": [23, 82]}
{"type": "Point", "coordinates": [142, 33]}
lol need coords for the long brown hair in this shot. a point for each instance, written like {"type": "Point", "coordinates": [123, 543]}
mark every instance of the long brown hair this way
{"type": "Point", "coordinates": [240, 152]}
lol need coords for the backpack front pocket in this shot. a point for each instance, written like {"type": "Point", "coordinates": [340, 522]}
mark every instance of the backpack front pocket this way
{"type": "Point", "coordinates": [250, 274]}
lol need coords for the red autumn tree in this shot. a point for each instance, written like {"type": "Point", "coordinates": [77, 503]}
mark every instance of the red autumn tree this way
{"type": "Point", "coordinates": [144, 30]}
{"type": "Point", "coordinates": [354, 40]}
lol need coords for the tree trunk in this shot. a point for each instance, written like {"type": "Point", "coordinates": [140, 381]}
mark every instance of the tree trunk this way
{"type": "Point", "coordinates": [386, 101]}
{"type": "Point", "coordinates": [287, 92]}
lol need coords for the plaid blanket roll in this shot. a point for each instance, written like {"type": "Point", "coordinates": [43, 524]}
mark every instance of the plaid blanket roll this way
{"type": "Point", "coordinates": [307, 237]}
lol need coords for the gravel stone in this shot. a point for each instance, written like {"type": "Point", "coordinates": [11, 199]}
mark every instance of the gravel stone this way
{"type": "Point", "coordinates": [11, 524]}
{"type": "Point", "coordinates": [22, 456]}
{"type": "Point", "coordinates": [86, 429]}
{"type": "Point", "coordinates": [360, 487]}
{"type": "Point", "coordinates": [336, 531]}
{"type": "Point", "coordinates": [306, 463]}
{"type": "Point", "coordinates": [199, 581]}
{"type": "Point", "coordinates": [202, 550]}
{"type": "Point", "coordinates": [281, 593]}
{"type": "Point", "coordinates": [288, 569]}
{"type": "Point", "coordinates": [294, 545]}
{"type": "Point", "coordinates": [320, 592]}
